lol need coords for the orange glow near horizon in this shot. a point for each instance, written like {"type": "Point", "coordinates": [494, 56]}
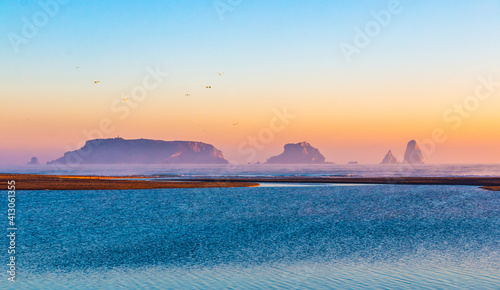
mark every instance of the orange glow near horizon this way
{"type": "Point", "coordinates": [345, 130]}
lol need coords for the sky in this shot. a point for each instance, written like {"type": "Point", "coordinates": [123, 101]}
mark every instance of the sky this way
{"type": "Point", "coordinates": [353, 78]}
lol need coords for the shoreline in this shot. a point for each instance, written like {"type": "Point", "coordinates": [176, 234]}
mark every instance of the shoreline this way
{"type": "Point", "coordinates": [80, 182]}
{"type": "Point", "coordinates": [444, 180]}
{"type": "Point", "coordinates": [70, 182]}
{"type": "Point", "coordinates": [488, 183]}
{"type": "Point", "coordinates": [491, 188]}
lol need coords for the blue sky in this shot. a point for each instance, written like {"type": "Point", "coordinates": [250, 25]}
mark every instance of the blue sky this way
{"type": "Point", "coordinates": [120, 36]}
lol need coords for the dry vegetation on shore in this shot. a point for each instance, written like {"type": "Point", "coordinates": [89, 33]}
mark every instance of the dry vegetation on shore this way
{"type": "Point", "coordinates": [68, 182]}
{"type": "Point", "coordinates": [65, 182]}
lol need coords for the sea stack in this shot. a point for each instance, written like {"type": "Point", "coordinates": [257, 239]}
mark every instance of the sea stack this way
{"type": "Point", "coordinates": [413, 155]}
{"type": "Point", "coordinates": [34, 161]}
{"type": "Point", "coordinates": [300, 153]}
{"type": "Point", "coordinates": [389, 159]}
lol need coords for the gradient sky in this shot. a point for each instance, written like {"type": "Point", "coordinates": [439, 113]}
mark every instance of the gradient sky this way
{"type": "Point", "coordinates": [274, 55]}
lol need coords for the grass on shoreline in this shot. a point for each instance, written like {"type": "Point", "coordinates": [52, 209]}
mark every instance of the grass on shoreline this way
{"type": "Point", "coordinates": [70, 182]}
{"type": "Point", "coordinates": [65, 182]}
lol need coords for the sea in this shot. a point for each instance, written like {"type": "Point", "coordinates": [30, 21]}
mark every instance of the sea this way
{"type": "Point", "coordinates": [275, 236]}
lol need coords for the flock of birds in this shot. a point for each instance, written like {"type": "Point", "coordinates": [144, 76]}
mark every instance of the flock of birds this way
{"type": "Point", "coordinates": [187, 95]}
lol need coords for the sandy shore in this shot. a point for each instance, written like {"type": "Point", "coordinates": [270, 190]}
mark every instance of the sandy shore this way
{"type": "Point", "coordinates": [69, 182]}
{"type": "Point", "coordinates": [491, 188]}
{"type": "Point", "coordinates": [66, 182]}
{"type": "Point", "coordinates": [489, 183]}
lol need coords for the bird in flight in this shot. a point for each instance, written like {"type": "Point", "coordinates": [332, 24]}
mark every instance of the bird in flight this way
{"type": "Point", "coordinates": [77, 67]}
{"type": "Point", "coordinates": [235, 124]}
{"type": "Point", "coordinates": [125, 99]}
{"type": "Point", "coordinates": [96, 82]}
{"type": "Point", "coordinates": [220, 74]}
{"type": "Point", "coordinates": [208, 87]}
{"type": "Point", "coordinates": [188, 95]}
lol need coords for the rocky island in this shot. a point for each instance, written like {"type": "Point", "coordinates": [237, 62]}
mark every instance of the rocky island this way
{"type": "Point", "coordinates": [389, 159]}
{"type": "Point", "coordinates": [300, 153]}
{"type": "Point", "coordinates": [142, 151]}
{"type": "Point", "coordinates": [33, 161]}
{"type": "Point", "coordinates": [413, 155]}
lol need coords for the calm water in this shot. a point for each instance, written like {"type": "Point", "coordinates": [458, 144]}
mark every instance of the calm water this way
{"type": "Point", "coordinates": [304, 237]}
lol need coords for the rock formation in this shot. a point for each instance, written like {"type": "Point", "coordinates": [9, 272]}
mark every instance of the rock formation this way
{"type": "Point", "coordinates": [300, 153]}
{"type": "Point", "coordinates": [389, 159]}
{"type": "Point", "coordinates": [34, 161]}
{"type": "Point", "coordinates": [142, 151]}
{"type": "Point", "coordinates": [413, 155]}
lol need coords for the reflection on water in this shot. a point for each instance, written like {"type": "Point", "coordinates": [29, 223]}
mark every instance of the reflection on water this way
{"type": "Point", "coordinates": [278, 276]}
{"type": "Point", "coordinates": [383, 236]}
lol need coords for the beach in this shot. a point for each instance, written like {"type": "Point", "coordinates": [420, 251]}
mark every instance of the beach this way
{"type": "Point", "coordinates": [88, 182]}
{"type": "Point", "coordinates": [490, 182]}
{"type": "Point", "coordinates": [67, 182]}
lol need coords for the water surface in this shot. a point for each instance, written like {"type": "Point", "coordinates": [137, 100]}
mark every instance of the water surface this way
{"type": "Point", "coordinates": [313, 237]}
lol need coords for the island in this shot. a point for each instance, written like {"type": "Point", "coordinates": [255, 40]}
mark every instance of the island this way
{"type": "Point", "coordinates": [389, 159]}
{"type": "Point", "coordinates": [299, 153]}
{"type": "Point", "coordinates": [413, 155]}
{"type": "Point", "coordinates": [33, 161]}
{"type": "Point", "coordinates": [142, 151]}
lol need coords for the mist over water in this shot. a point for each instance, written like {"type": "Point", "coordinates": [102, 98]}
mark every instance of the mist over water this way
{"type": "Point", "coordinates": [424, 170]}
{"type": "Point", "coordinates": [312, 237]}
